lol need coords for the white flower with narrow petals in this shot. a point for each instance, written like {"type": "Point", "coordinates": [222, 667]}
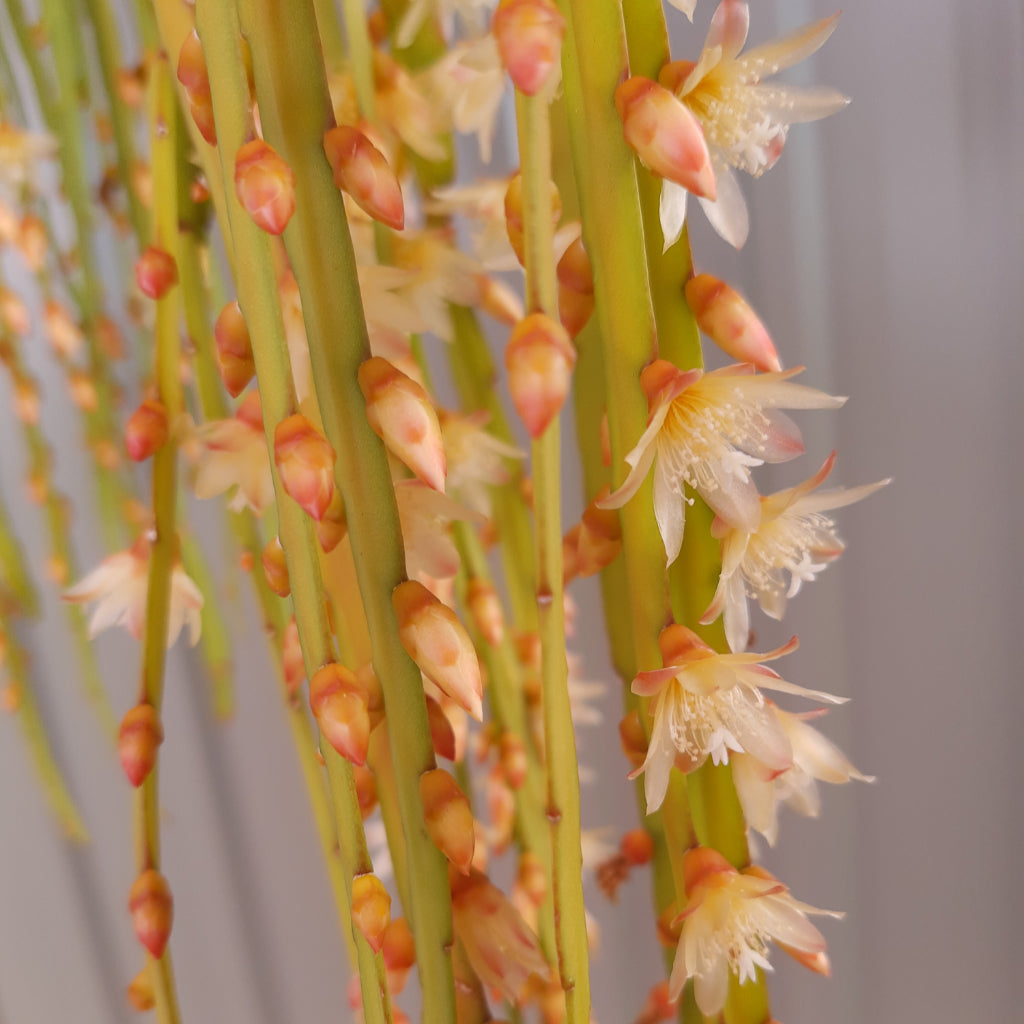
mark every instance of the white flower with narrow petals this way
{"type": "Point", "coordinates": [729, 920]}
{"type": "Point", "coordinates": [745, 118]}
{"type": "Point", "coordinates": [686, 6]}
{"type": "Point", "coordinates": [706, 431]}
{"type": "Point", "coordinates": [424, 515]}
{"type": "Point", "coordinates": [705, 704]}
{"type": "Point", "coordinates": [793, 542]}
{"type": "Point", "coordinates": [119, 585]}
{"type": "Point", "coordinates": [477, 460]}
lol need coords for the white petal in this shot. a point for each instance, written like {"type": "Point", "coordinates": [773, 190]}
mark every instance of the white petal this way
{"type": "Point", "coordinates": [728, 213]}
{"type": "Point", "coordinates": [756, 793]}
{"type": "Point", "coordinates": [670, 512]}
{"type": "Point", "coordinates": [839, 497]}
{"type": "Point", "coordinates": [786, 51]}
{"type": "Point", "coordinates": [729, 27]}
{"type": "Point", "coordinates": [686, 6]}
{"type": "Point", "coordinates": [779, 918]}
{"type": "Point", "coordinates": [788, 104]}
{"type": "Point", "coordinates": [737, 615]}
{"type": "Point", "coordinates": [672, 210]}
{"type": "Point", "coordinates": [711, 987]}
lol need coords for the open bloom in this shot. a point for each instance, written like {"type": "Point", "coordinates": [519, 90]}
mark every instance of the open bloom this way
{"type": "Point", "coordinates": [794, 539]}
{"type": "Point", "coordinates": [745, 118]}
{"type": "Point", "coordinates": [730, 918]}
{"type": "Point", "coordinates": [706, 430]}
{"type": "Point", "coordinates": [707, 704]}
{"type": "Point", "coordinates": [119, 585]}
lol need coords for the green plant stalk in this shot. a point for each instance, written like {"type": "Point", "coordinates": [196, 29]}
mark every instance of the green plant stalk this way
{"type": "Point", "coordinates": [360, 55]}
{"type": "Point", "coordinates": [329, 31]}
{"type": "Point", "coordinates": [55, 789]}
{"type": "Point", "coordinates": [295, 110]}
{"type": "Point", "coordinates": [163, 550]}
{"type": "Point", "coordinates": [563, 786]}
{"type": "Point", "coordinates": [16, 575]}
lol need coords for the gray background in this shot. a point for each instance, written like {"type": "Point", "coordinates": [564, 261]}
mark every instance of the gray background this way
{"type": "Point", "coordinates": [887, 253]}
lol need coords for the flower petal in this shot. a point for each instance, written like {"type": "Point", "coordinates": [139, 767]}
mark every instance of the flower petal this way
{"type": "Point", "coordinates": [727, 214]}
{"type": "Point", "coordinates": [672, 211]}
{"type": "Point", "coordinates": [772, 57]}
{"type": "Point", "coordinates": [670, 512]}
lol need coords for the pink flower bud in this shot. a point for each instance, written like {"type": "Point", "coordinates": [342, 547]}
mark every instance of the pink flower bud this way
{"type": "Point", "coordinates": [727, 319]}
{"type": "Point", "coordinates": [339, 704]}
{"type": "Point", "coordinates": [275, 568]}
{"type": "Point", "coordinates": [400, 412]}
{"type": "Point", "coordinates": [371, 909]}
{"type": "Point", "coordinates": [195, 78]}
{"type": "Point", "coordinates": [448, 817]}
{"type": "Point", "coordinates": [514, 222]}
{"type": "Point", "coordinates": [138, 739]}
{"type": "Point", "coordinates": [600, 537]}
{"type": "Point", "coordinates": [439, 644]}
{"type": "Point", "coordinates": [147, 430]}
{"type": "Point", "coordinates": [539, 358]}
{"type": "Point", "coordinates": [485, 607]}
{"type": "Point", "coordinates": [362, 170]}
{"type": "Point", "coordinates": [265, 186]}
{"type": "Point", "coordinates": [442, 735]}
{"type": "Point", "coordinates": [152, 909]}
{"type": "Point", "coordinates": [234, 349]}
{"type": "Point", "coordinates": [667, 138]}
{"type": "Point", "coordinates": [575, 288]}
{"type": "Point", "coordinates": [529, 35]}
{"type": "Point", "coordinates": [156, 272]}
{"type": "Point", "coordinates": [305, 462]}
{"type": "Point", "coordinates": [637, 847]}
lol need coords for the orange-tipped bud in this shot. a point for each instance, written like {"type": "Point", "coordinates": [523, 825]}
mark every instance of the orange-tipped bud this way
{"type": "Point", "coordinates": [147, 430]}
{"type": "Point", "coordinates": [82, 389]}
{"type": "Point", "coordinates": [234, 349]}
{"type": "Point", "coordinates": [727, 319]}
{"type": "Point", "coordinates": [366, 790]}
{"type": "Point", "coordinates": [371, 909]}
{"type": "Point", "coordinates": [514, 761]}
{"type": "Point", "coordinates": [632, 739]}
{"type": "Point", "coordinates": [140, 992]}
{"type": "Point", "coordinates": [14, 313]}
{"type": "Point", "coordinates": [600, 537]}
{"type": "Point", "coordinates": [665, 135]}
{"type": "Point", "coordinates": [539, 358]}
{"type": "Point", "coordinates": [529, 35]}
{"type": "Point", "coordinates": [339, 704]}
{"type": "Point", "coordinates": [331, 530]}
{"type": "Point", "coordinates": [32, 242]}
{"type": "Point", "coordinates": [442, 735]}
{"type": "Point", "coordinates": [152, 910]}
{"type": "Point", "coordinates": [439, 644]}
{"type": "Point", "coordinates": [399, 950]}
{"type": "Point", "coordinates": [305, 462]}
{"type": "Point", "coordinates": [291, 658]}
{"type": "Point", "coordinates": [575, 288]}
{"type": "Point", "coordinates": [156, 272]}
{"type": "Point", "coordinates": [532, 878]}
{"type": "Point", "coordinates": [275, 568]}
{"type": "Point", "coordinates": [265, 186]}
{"type": "Point", "coordinates": [514, 222]}
{"type": "Point", "coordinates": [485, 607]}
{"type": "Point", "coordinates": [362, 170]}
{"type": "Point", "coordinates": [401, 414]}
{"type": "Point", "coordinates": [195, 78]}
{"type": "Point", "coordinates": [637, 846]}
{"type": "Point", "coordinates": [138, 739]}
{"type": "Point", "coordinates": [448, 817]}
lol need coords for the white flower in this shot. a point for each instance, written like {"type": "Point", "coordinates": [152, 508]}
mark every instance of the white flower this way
{"type": "Point", "coordinates": [119, 585]}
{"type": "Point", "coordinates": [471, 12]}
{"type": "Point", "coordinates": [477, 460]}
{"type": "Point", "coordinates": [730, 918]}
{"type": "Point", "coordinates": [424, 515]}
{"type": "Point", "coordinates": [706, 430]}
{"type": "Point", "coordinates": [707, 704]}
{"type": "Point", "coordinates": [794, 538]}
{"type": "Point", "coordinates": [745, 118]}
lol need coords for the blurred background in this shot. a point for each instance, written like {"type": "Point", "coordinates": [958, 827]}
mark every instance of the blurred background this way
{"type": "Point", "coordinates": [887, 254]}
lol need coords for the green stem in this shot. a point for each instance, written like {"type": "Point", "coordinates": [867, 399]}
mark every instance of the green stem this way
{"type": "Point", "coordinates": [16, 575]}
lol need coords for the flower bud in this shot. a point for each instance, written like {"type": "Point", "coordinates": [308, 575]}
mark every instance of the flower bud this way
{"type": "Point", "coordinates": [575, 288]}
{"type": "Point", "coordinates": [265, 186]}
{"type": "Point", "coordinates": [82, 389]}
{"type": "Point", "coordinates": [637, 846]}
{"type": "Point", "coordinates": [665, 135]}
{"type": "Point", "coordinates": [512, 753]}
{"type": "Point", "coordinates": [448, 817]}
{"type": "Point", "coordinates": [292, 662]}
{"type": "Point", "coordinates": [669, 926]}
{"type": "Point", "coordinates": [439, 644]}
{"type": "Point", "coordinates": [399, 951]}
{"type": "Point", "coordinates": [632, 739]}
{"type": "Point", "coordinates": [340, 706]}
{"type": "Point", "coordinates": [26, 401]}
{"type": "Point", "coordinates": [234, 349]}
{"type": "Point", "coordinates": [529, 34]}
{"type": "Point", "coordinates": [331, 530]}
{"type": "Point", "coordinates": [305, 462]}
{"type": "Point", "coordinates": [532, 878]}
{"type": "Point", "coordinates": [138, 739]}
{"type": "Point", "coordinates": [152, 910]}
{"type": "Point", "coordinates": [600, 537]}
{"type": "Point", "coordinates": [61, 330]}
{"type": "Point", "coordinates": [195, 78]}
{"type": "Point", "coordinates": [539, 358]}
{"type": "Point", "coordinates": [156, 272]}
{"type": "Point", "coordinates": [366, 790]}
{"type": "Point", "coordinates": [147, 430]}
{"type": "Point", "coordinates": [362, 170]}
{"type": "Point", "coordinates": [14, 313]}
{"type": "Point", "coordinates": [32, 242]}
{"type": "Point", "coordinates": [371, 909]}
{"type": "Point", "coordinates": [485, 607]}
{"type": "Point", "coordinates": [727, 319]}
{"type": "Point", "coordinates": [514, 222]}
{"type": "Point", "coordinates": [442, 735]}
{"type": "Point", "coordinates": [140, 992]}
{"type": "Point", "coordinates": [401, 414]}
{"type": "Point", "coordinates": [275, 568]}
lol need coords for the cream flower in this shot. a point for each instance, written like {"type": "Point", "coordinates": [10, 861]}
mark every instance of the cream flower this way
{"type": "Point", "coordinates": [706, 430]}
{"type": "Point", "coordinates": [730, 918]}
{"type": "Point", "coordinates": [745, 118]}
{"type": "Point", "coordinates": [477, 460]}
{"type": "Point", "coordinates": [20, 151]}
{"type": "Point", "coordinates": [424, 515]}
{"type": "Point", "coordinates": [794, 538]}
{"type": "Point", "coordinates": [707, 704]}
{"type": "Point", "coordinates": [119, 585]}
{"type": "Point", "coordinates": [471, 13]}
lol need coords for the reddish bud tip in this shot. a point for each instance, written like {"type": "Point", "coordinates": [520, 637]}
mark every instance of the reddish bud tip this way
{"type": "Point", "coordinates": [156, 272]}
{"type": "Point", "coordinates": [152, 910]}
{"type": "Point", "coordinates": [305, 462]}
{"type": "Point", "coordinates": [637, 846]}
{"type": "Point", "coordinates": [265, 186]}
{"type": "Point", "coordinates": [727, 319]}
{"type": "Point", "coordinates": [361, 170]}
{"type": "Point", "coordinates": [529, 34]}
{"type": "Point", "coordinates": [291, 658]}
{"type": "Point", "coordinates": [485, 607]}
{"type": "Point", "coordinates": [138, 739]}
{"type": "Point", "coordinates": [448, 817]}
{"type": "Point", "coordinates": [371, 909]}
{"type": "Point", "coordinates": [539, 358]}
{"type": "Point", "coordinates": [275, 568]}
{"type": "Point", "coordinates": [147, 430]}
{"type": "Point", "coordinates": [339, 704]}
{"type": "Point", "coordinates": [234, 349]}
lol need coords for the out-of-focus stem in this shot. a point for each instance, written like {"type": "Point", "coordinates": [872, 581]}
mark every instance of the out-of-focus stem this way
{"type": "Point", "coordinates": [16, 575]}
{"type": "Point", "coordinates": [296, 112]}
